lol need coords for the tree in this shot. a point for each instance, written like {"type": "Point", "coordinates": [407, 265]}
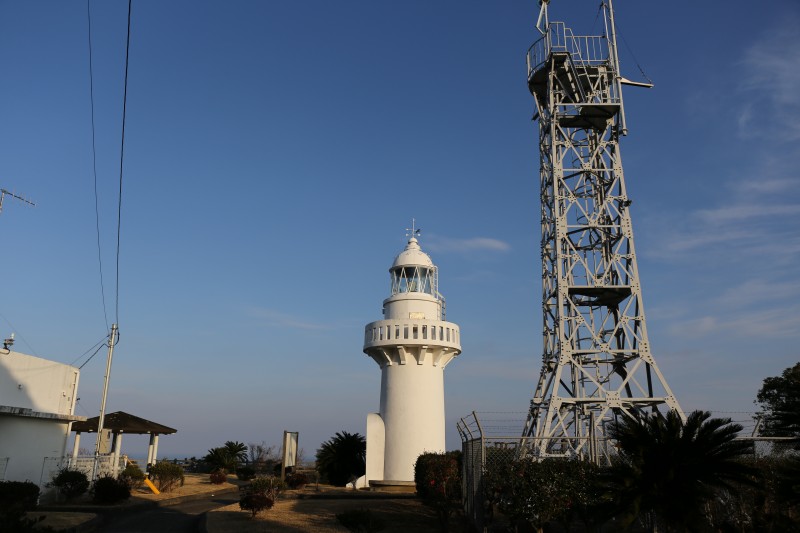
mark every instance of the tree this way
{"type": "Point", "coordinates": [227, 457]}
{"type": "Point", "coordinates": [259, 453]}
{"type": "Point", "coordinates": [779, 397]}
{"type": "Point", "coordinates": [220, 458]}
{"type": "Point", "coordinates": [237, 450]}
{"type": "Point", "coordinates": [671, 468]}
{"type": "Point", "coordinates": [342, 458]}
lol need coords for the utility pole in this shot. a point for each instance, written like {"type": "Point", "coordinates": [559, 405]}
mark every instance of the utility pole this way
{"type": "Point", "coordinates": [112, 340]}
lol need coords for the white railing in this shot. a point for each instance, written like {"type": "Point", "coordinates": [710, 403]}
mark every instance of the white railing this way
{"type": "Point", "coordinates": [583, 49]}
{"type": "Point", "coordinates": [409, 331]}
{"type": "Point", "coordinates": [106, 466]}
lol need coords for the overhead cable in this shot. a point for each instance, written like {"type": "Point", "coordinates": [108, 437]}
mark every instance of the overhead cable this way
{"type": "Point", "coordinates": [94, 165]}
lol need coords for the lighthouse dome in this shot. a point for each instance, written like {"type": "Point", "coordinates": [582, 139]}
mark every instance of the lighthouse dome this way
{"type": "Point", "coordinates": [412, 255]}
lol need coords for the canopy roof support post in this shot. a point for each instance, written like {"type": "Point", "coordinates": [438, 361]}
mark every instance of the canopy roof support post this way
{"type": "Point", "coordinates": [150, 454]}
{"type": "Point", "coordinates": [76, 447]}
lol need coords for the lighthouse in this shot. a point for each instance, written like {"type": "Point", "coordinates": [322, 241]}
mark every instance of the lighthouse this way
{"type": "Point", "coordinates": [412, 346]}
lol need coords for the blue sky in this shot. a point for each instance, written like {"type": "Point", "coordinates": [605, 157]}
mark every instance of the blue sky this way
{"type": "Point", "coordinates": [276, 151]}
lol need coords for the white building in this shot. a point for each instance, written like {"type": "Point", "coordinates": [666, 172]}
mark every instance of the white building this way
{"type": "Point", "coordinates": [412, 345]}
{"type": "Point", "coordinates": [37, 404]}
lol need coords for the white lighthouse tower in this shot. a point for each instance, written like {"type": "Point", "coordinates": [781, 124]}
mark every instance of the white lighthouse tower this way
{"type": "Point", "coordinates": [412, 345]}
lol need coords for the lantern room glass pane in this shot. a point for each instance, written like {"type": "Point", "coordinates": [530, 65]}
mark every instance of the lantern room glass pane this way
{"type": "Point", "coordinates": [412, 279]}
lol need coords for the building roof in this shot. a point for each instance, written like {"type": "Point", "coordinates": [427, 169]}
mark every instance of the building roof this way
{"type": "Point", "coordinates": [125, 423]}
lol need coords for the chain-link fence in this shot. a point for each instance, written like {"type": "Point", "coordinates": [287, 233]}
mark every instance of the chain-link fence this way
{"type": "Point", "coordinates": [3, 465]}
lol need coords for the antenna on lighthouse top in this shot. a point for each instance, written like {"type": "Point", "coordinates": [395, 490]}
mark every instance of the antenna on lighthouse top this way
{"type": "Point", "coordinates": [413, 231]}
{"type": "Point", "coordinates": [3, 194]}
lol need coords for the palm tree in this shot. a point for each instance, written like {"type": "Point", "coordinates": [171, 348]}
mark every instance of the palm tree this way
{"type": "Point", "coordinates": [342, 458]}
{"type": "Point", "coordinates": [671, 468]}
{"type": "Point", "coordinates": [237, 450]}
{"type": "Point", "coordinates": [220, 458]}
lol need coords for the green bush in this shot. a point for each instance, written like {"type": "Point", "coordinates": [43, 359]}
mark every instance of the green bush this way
{"type": "Point", "coordinates": [269, 485]}
{"type": "Point", "coordinates": [255, 502]}
{"type": "Point", "coordinates": [245, 473]}
{"type": "Point", "coordinates": [109, 490]}
{"type": "Point", "coordinates": [166, 476]}
{"type": "Point", "coordinates": [541, 491]}
{"type": "Point", "coordinates": [133, 475]}
{"type": "Point", "coordinates": [218, 477]}
{"type": "Point", "coordinates": [70, 483]}
{"type": "Point", "coordinates": [438, 480]}
{"type": "Point", "coordinates": [361, 521]}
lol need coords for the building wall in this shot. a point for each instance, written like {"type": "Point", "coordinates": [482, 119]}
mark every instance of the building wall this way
{"type": "Point", "coordinates": [26, 442]}
{"type": "Point", "coordinates": [412, 409]}
{"type": "Point", "coordinates": [49, 389]}
{"type": "Point", "coordinates": [35, 383]}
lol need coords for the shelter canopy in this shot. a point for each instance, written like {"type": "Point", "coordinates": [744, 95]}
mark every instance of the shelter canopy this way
{"type": "Point", "coordinates": [121, 422]}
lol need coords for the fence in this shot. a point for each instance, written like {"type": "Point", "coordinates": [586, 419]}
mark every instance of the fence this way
{"type": "Point", "coordinates": [106, 466]}
{"type": "Point", "coordinates": [3, 465]}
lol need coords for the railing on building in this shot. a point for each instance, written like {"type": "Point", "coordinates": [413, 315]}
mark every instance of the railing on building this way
{"type": "Point", "coordinates": [107, 465]}
{"type": "Point", "coordinates": [412, 331]}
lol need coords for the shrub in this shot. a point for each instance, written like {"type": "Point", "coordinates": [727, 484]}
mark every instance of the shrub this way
{"type": "Point", "coordinates": [438, 480]}
{"type": "Point", "coordinates": [296, 480]}
{"type": "Point", "coordinates": [218, 477]}
{"type": "Point", "coordinates": [133, 475]}
{"type": "Point", "coordinates": [19, 496]}
{"type": "Point", "coordinates": [110, 490]}
{"type": "Point", "coordinates": [166, 475]}
{"type": "Point", "coordinates": [70, 483]}
{"type": "Point", "coordinates": [245, 473]}
{"type": "Point", "coordinates": [255, 502]}
{"type": "Point", "coordinates": [541, 491]}
{"type": "Point", "coordinates": [361, 521]}
{"type": "Point", "coordinates": [270, 485]}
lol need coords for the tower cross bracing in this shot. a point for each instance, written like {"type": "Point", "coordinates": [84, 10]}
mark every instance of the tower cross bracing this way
{"type": "Point", "coordinates": [597, 363]}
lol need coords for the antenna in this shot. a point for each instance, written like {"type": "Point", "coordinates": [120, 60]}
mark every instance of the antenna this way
{"type": "Point", "coordinates": [4, 192]}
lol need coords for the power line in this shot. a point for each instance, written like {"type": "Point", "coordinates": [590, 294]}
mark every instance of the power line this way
{"type": "Point", "coordinates": [94, 165]}
{"type": "Point", "coordinates": [122, 154]}
{"type": "Point", "coordinates": [90, 358]}
{"type": "Point", "coordinates": [101, 341]}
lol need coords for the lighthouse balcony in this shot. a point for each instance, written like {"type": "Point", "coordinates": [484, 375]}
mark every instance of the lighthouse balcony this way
{"type": "Point", "coordinates": [411, 332]}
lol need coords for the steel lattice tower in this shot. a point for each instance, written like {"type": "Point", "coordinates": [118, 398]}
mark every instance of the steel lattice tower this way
{"type": "Point", "coordinates": [597, 363]}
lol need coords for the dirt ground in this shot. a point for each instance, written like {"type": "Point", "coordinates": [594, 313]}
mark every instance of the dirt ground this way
{"type": "Point", "coordinates": [310, 509]}
{"type": "Point", "coordinates": [193, 484]}
{"type": "Point", "coordinates": [319, 515]}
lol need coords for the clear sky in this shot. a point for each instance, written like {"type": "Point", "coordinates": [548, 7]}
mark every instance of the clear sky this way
{"type": "Point", "coordinates": [276, 151]}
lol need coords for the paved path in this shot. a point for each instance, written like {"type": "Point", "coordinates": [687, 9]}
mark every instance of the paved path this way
{"type": "Point", "coordinates": [184, 517]}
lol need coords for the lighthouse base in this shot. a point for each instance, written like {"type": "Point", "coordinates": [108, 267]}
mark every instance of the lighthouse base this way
{"type": "Point", "coordinates": [388, 485]}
